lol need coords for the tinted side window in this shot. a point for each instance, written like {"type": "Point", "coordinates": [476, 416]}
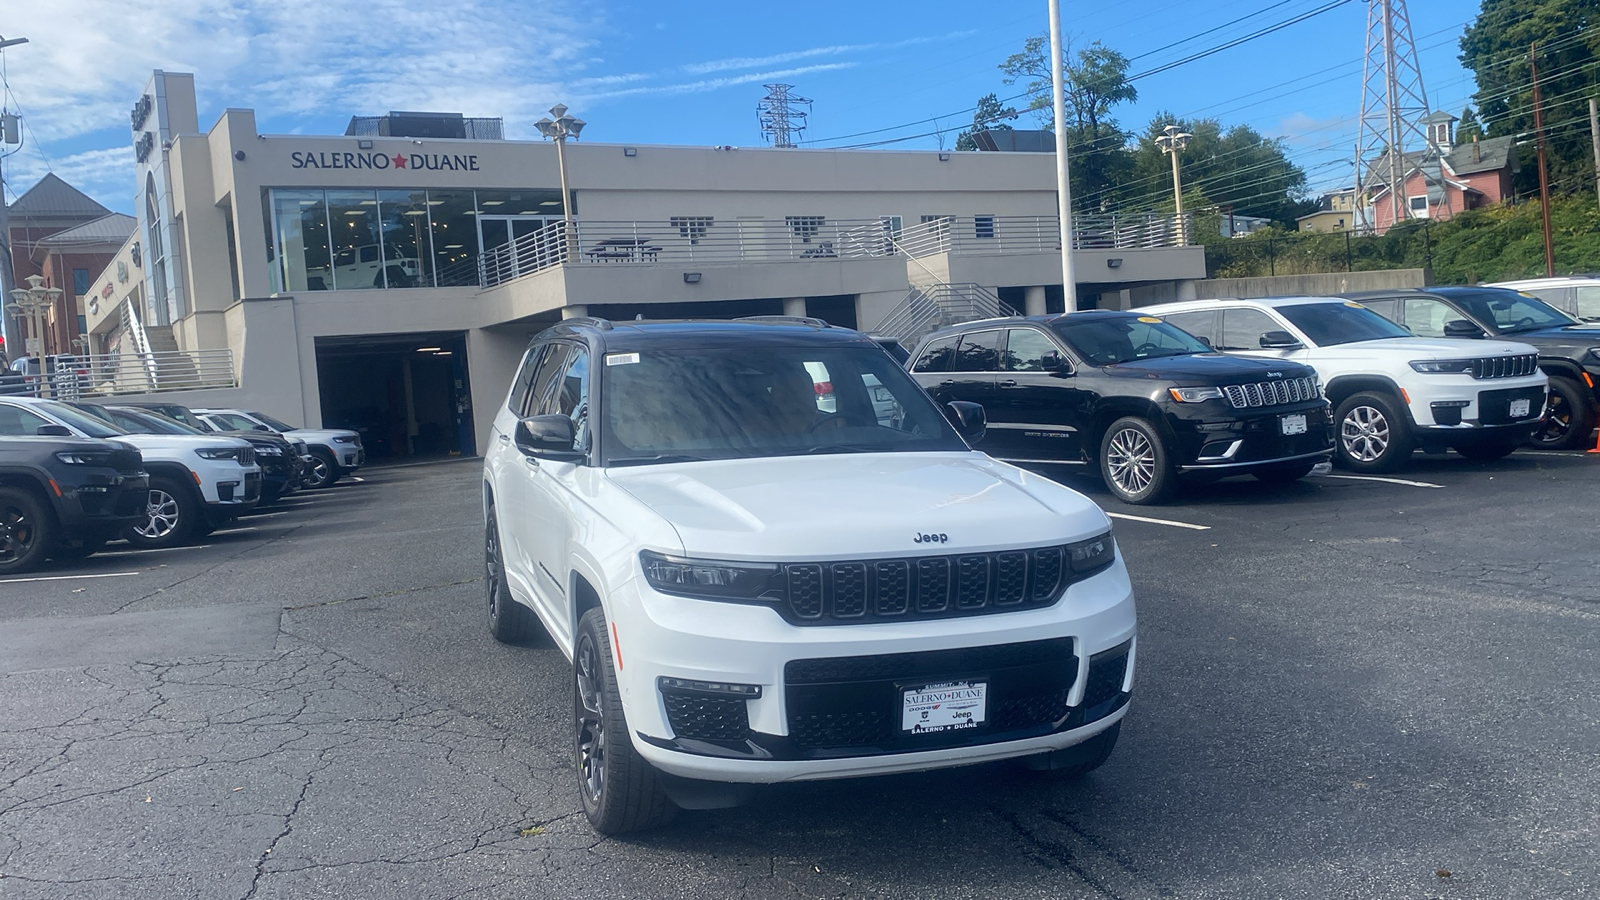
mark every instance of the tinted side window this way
{"type": "Point", "coordinates": [980, 352]}
{"type": "Point", "coordinates": [1585, 302]}
{"type": "Point", "coordinates": [936, 355]}
{"type": "Point", "coordinates": [518, 397]}
{"type": "Point", "coordinates": [1426, 316]}
{"type": "Point", "coordinates": [17, 421]}
{"type": "Point", "coordinates": [1389, 309]}
{"type": "Point", "coordinates": [570, 395]}
{"type": "Point", "coordinates": [1242, 328]}
{"type": "Point", "coordinates": [1025, 350]}
{"type": "Point", "coordinates": [1200, 324]}
{"type": "Point", "coordinates": [550, 363]}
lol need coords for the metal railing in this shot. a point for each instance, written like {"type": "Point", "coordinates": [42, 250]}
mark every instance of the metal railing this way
{"type": "Point", "coordinates": [1033, 234]}
{"type": "Point", "coordinates": [112, 374]}
{"type": "Point", "coordinates": [934, 306]}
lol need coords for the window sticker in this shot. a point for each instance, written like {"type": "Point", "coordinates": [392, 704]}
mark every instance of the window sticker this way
{"type": "Point", "coordinates": [621, 359]}
{"type": "Point", "coordinates": [1150, 320]}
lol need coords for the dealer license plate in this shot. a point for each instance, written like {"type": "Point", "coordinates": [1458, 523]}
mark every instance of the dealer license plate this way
{"type": "Point", "coordinates": [1295, 424]}
{"type": "Point", "coordinates": [1520, 408]}
{"type": "Point", "coordinates": [949, 706]}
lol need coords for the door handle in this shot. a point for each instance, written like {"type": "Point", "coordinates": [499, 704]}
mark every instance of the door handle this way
{"type": "Point", "coordinates": [1009, 382]}
{"type": "Point", "coordinates": [947, 382]}
{"type": "Point", "coordinates": [532, 463]}
{"type": "Point", "coordinates": [505, 438]}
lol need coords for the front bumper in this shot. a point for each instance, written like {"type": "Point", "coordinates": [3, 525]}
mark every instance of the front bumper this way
{"type": "Point", "coordinates": [1442, 402]}
{"type": "Point", "coordinates": [102, 502]}
{"type": "Point", "coordinates": [1252, 439]}
{"type": "Point", "coordinates": [829, 696]}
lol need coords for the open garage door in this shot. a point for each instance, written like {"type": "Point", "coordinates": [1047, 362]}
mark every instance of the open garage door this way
{"type": "Point", "coordinates": [409, 395]}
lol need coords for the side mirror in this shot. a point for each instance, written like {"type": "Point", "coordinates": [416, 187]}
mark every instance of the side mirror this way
{"type": "Point", "coordinates": [1279, 340]}
{"type": "Point", "coordinates": [1205, 340]}
{"type": "Point", "coordinates": [1461, 328]}
{"type": "Point", "coordinates": [260, 428]}
{"type": "Point", "coordinates": [547, 437]}
{"type": "Point", "coordinates": [53, 431]}
{"type": "Point", "coordinates": [968, 419]}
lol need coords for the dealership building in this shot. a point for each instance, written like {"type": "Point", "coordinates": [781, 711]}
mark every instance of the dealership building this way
{"type": "Point", "coordinates": [390, 277]}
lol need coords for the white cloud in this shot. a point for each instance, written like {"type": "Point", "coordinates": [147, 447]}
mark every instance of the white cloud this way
{"type": "Point", "coordinates": [712, 84]}
{"type": "Point", "coordinates": [751, 62]}
{"type": "Point", "coordinates": [105, 174]}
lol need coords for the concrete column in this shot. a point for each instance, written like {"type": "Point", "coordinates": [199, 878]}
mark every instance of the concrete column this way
{"type": "Point", "coordinates": [1033, 300]}
{"type": "Point", "coordinates": [794, 306]}
{"type": "Point", "coordinates": [575, 311]}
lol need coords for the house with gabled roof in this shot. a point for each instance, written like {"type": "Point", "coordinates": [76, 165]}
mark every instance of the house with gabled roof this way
{"type": "Point", "coordinates": [1438, 183]}
{"type": "Point", "coordinates": [44, 213]}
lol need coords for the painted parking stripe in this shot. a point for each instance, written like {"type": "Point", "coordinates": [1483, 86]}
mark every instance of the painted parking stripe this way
{"type": "Point", "coordinates": [67, 577]}
{"type": "Point", "coordinates": [1159, 521]}
{"type": "Point", "coordinates": [145, 550]}
{"type": "Point", "coordinates": [1380, 478]}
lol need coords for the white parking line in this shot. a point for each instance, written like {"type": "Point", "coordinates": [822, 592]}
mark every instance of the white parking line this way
{"type": "Point", "coordinates": [66, 577]}
{"type": "Point", "coordinates": [150, 550]}
{"type": "Point", "coordinates": [1380, 478]}
{"type": "Point", "coordinates": [1159, 521]}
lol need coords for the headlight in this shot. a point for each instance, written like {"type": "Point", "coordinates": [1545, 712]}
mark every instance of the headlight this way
{"type": "Point", "coordinates": [220, 452]}
{"type": "Point", "coordinates": [1195, 394]}
{"type": "Point", "coordinates": [84, 457]}
{"type": "Point", "coordinates": [268, 450]}
{"type": "Point", "coordinates": [1095, 553]}
{"type": "Point", "coordinates": [712, 579]}
{"type": "Point", "coordinates": [344, 439]}
{"type": "Point", "coordinates": [1442, 366]}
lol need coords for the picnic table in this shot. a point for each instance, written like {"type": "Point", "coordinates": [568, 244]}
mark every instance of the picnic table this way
{"type": "Point", "coordinates": [623, 250]}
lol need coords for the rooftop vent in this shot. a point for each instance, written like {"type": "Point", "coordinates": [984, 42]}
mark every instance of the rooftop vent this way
{"type": "Point", "coordinates": [427, 125]}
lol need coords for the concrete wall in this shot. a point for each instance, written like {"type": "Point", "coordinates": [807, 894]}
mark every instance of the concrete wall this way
{"type": "Point", "coordinates": [1308, 285]}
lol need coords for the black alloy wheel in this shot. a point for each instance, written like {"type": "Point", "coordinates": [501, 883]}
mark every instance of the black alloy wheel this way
{"type": "Point", "coordinates": [27, 531]}
{"type": "Point", "coordinates": [620, 791]}
{"type": "Point", "coordinates": [1568, 418]}
{"type": "Point", "coordinates": [509, 621]}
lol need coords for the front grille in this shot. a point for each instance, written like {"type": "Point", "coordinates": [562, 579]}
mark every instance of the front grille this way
{"type": "Point", "coordinates": [851, 704]}
{"type": "Point", "coordinates": [1272, 393]}
{"type": "Point", "coordinates": [1504, 366]}
{"type": "Point", "coordinates": [837, 593]}
{"type": "Point", "coordinates": [247, 456]}
{"type": "Point", "coordinates": [703, 718]}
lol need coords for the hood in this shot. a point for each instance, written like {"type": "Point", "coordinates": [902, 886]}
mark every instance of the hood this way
{"type": "Point", "coordinates": [845, 506]}
{"type": "Point", "coordinates": [147, 442]}
{"type": "Point", "coordinates": [320, 434]}
{"type": "Point", "coordinates": [1563, 336]}
{"type": "Point", "coordinates": [1431, 348]}
{"type": "Point", "coordinates": [1209, 368]}
{"type": "Point", "coordinates": [258, 437]}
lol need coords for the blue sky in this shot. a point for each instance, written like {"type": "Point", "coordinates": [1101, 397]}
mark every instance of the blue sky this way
{"type": "Point", "coordinates": [670, 72]}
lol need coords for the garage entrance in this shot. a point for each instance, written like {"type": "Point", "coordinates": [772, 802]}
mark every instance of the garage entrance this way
{"type": "Point", "coordinates": [407, 394]}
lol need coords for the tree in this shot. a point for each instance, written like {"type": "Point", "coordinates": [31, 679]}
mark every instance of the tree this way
{"type": "Point", "coordinates": [1496, 49]}
{"type": "Point", "coordinates": [1095, 81]}
{"type": "Point", "coordinates": [989, 116]}
{"type": "Point", "coordinates": [1237, 168]}
{"type": "Point", "coordinates": [1468, 128]}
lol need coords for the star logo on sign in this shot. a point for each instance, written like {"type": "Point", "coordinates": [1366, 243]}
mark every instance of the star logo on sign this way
{"type": "Point", "coordinates": [399, 161]}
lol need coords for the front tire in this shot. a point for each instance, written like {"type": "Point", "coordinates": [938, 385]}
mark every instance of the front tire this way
{"type": "Point", "coordinates": [1569, 418]}
{"type": "Point", "coordinates": [27, 531]}
{"type": "Point", "coordinates": [171, 515]}
{"type": "Point", "coordinates": [621, 792]}
{"type": "Point", "coordinates": [1135, 463]}
{"type": "Point", "coordinates": [323, 471]}
{"type": "Point", "coordinates": [1374, 435]}
{"type": "Point", "coordinates": [509, 621]}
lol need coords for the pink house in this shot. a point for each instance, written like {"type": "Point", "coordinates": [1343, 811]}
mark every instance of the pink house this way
{"type": "Point", "coordinates": [1472, 175]}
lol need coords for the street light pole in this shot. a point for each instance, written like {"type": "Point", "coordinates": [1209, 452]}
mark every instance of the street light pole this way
{"type": "Point", "coordinates": [8, 322]}
{"type": "Point", "coordinates": [1069, 280]}
{"type": "Point", "coordinates": [1172, 141]}
{"type": "Point", "coordinates": [32, 302]}
{"type": "Point", "coordinates": [559, 129]}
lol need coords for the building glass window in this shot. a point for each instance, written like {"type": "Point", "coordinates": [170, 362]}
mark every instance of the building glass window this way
{"type": "Point", "coordinates": [158, 260]}
{"type": "Point", "coordinates": [407, 253]}
{"type": "Point", "coordinates": [692, 227]}
{"type": "Point", "coordinates": [353, 227]}
{"type": "Point", "coordinates": [455, 237]}
{"type": "Point", "coordinates": [302, 229]}
{"type": "Point", "coordinates": [983, 226]}
{"type": "Point", "coordinates": [805, 227]}
{"type": "Point", "coordinates": [80, 281]}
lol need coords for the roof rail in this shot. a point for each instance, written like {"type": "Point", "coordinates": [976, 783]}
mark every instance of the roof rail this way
{"type": "Point", "coordinates": [596, 321]}
{"type": "Point", "coordinates": [794, 320]}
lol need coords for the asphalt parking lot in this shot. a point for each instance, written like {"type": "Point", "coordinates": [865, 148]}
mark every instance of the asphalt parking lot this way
{"type": "Point", "coordinates": [1347, 688]}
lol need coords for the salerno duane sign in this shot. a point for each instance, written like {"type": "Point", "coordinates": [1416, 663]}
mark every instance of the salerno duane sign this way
{"type": "Point", "coordinates": [377, 159]}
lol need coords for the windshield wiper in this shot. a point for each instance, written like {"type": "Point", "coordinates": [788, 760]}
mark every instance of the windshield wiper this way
{"type": "Point", "coordinates": [835, 448]}
{"type": "Point", "coordinates": [657, 458]}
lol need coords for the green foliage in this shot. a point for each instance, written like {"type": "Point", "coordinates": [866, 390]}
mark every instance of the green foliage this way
{"type": "Point", "coordinates": [1236, 167]}
{"type": "Point", "coordinates": [1496, 49]}
{"type": "Point", "coordinates": [989, 116]}
{"type": "Point", "coordinates": [1468, 128]}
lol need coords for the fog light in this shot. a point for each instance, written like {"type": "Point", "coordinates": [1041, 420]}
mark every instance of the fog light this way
{"type": "Point", "coordinates": [713, 688]}
{"type": "Point", "coordinates": [1448, 412]}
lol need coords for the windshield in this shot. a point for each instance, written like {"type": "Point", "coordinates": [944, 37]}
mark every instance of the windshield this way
{"type": "Point", "coordinates": [93, 426]}
{"type": "Point", "coordinates": [272, 423]}
{"type": "Point", "coordinates": [1327, 324]}
{"type": "Point", "coordinates": [1107, 341]}
{"type": "Point", "coordinates": [1510, 312]}
{"type": "Point", "coordinates": [686, 404]}
{"type": "Point", "coordinates": [145, 422]}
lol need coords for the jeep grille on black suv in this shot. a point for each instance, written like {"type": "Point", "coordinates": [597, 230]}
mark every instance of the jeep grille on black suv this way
{"type": "Point", "coordinates": [1272, 393]}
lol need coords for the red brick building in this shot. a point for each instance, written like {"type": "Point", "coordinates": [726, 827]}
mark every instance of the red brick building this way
{"type": "Point", "coordinates": [59, 233]}
{"type": "Point", "coordinates": [1470, 176]}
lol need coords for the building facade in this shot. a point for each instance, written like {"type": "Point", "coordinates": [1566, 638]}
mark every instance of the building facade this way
{"type": "Point", "coordinates": [389, 278]}
{"type": "Point", "coordinates": [1454, 179]}
{"type": "Point", "coordinates": [59, 233]}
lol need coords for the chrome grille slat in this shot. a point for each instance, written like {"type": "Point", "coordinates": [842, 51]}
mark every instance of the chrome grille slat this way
{"type": "Point", "coordinates": [1486, 368]}
{"type": "Point", "coordinates": [1271, 393]}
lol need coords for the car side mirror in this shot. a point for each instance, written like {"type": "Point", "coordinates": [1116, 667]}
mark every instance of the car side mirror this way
{"type": "Point", "coordinates": [1051, 361]}
{"type": "Point", "coordinates": [1279, 340]}
{"type": "Point", "coordinates": [968, 419]}
{"type": "Point", "coordinates": [1461, 328]}
{"type": "Point", "coordinates": [1205, 340]}
{"type": "Point", "coordinates": [261, 428]}
{"type": "Point", "coordinates": [547, 437]}
{"type": "Point", "coordinates": [53, 431]}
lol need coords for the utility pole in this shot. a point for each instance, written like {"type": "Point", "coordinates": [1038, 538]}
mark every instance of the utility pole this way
{"type": "Point", "coordinates": [8, 135]}
{"type": "Point", "coordinates": [1544, 179]}
{"type": "Point", "coordinates": [1069, 279]}
{"type": "Point", "coordinates": [1594, 139]}
{"type": "Point", "coordinates": [780, 115]}
{"type": "Point", "coordinates": [1393, 100]}
{"type": "Point", "coordinates": [1172, 141]}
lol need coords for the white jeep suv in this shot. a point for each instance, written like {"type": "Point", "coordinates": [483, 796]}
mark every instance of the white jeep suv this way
{"type": "Point", "coordinates": [197, 482]}
{"type": "Point", "coordinates": [334, 452]}
{"type": "Point", "coordinates": [755, 589]}
{"type": "Point", "coordinates": [1392, 392]}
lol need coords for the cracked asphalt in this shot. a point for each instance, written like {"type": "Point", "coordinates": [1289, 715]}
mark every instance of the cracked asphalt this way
{"type": "Point", "coordinates": [1346, 689]}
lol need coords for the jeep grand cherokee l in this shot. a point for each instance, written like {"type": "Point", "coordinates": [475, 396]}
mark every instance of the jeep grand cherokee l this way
{"type": "Point", "coordinates": [753, 589]}
{"type": "Point", "coordinates": [1137, 397]}
{"type": "Point", "coordinates": [62, 496]}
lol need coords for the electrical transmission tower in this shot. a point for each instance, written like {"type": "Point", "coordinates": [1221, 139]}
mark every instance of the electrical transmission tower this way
{"type": "Point", "coordinates": [782, 115]}
{"type": "Point", "coordinates": [1393, 104]}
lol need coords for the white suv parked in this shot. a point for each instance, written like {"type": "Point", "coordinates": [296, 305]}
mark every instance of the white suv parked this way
{"type": "Point", "coordinates": [334, 452]}
{"type": "Point", "coordinates": [1392, 391]}
{"type": "Point", "coordinates": [755, 589]}
{"type": "Point", "coordinates": [197, 482]}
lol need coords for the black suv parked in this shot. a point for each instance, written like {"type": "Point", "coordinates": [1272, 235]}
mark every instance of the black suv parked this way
{"type": "Point", "coordinates": [1569, 350]}
{"type": "Point", "coordinates": [1143, 399]}
{"type": "Point", "coordinates": [64, 497]}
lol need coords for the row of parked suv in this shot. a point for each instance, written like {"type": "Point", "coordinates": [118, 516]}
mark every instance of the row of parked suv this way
{"type": "Point", "coordinates": [76, 475]}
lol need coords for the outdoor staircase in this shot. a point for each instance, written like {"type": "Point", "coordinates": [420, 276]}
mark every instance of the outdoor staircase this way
{"type": "Point", "coordinates": [933, 306]}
